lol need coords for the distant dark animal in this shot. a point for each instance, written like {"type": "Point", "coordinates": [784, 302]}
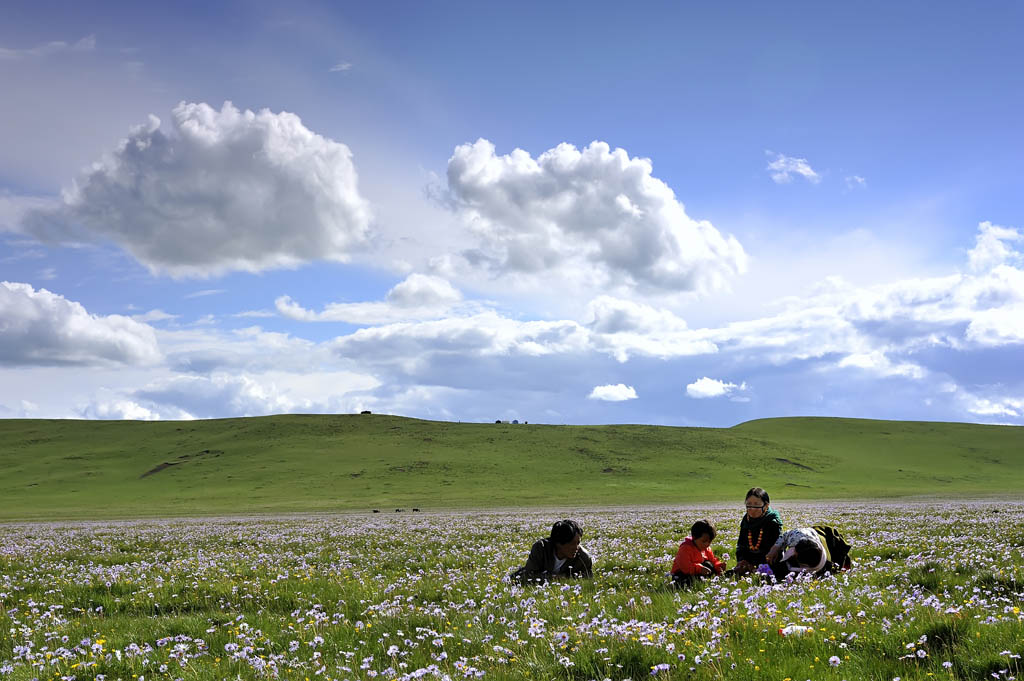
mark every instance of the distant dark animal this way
{"type": "Point", "coordinates": [399, 510]}
{"type": "Point", "coordinates": [415, 510]}
{"type": "Point", "coordinates": [366, 411]}
{"type": "Point", "coordinates": [376, 511]}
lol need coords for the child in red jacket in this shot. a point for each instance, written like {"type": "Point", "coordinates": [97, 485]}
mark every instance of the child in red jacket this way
{"type": "Point", "coordinates": [695, 558]}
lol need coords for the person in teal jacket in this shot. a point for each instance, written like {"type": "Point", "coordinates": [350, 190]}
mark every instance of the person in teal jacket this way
{"type": "Point", "coordinates": [759, 530]}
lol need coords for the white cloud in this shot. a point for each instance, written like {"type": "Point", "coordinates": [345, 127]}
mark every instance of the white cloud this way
{"type": "Point", "coordinates": [991, 248]}
{"type": "Point", "coordinates": [413, 345]}
{"type": "Point", "coordinates": [26, 410]}
{"type": "Point", "coordinates": [418, 296]}
{"type": "Point", "coordinates": [999, 326]}
{"type": "Point", "coordinates": [984, 407]}
{"type": "Point", "coordinates": [206, 349]}
{"type": "Point", "coordinates": [613, 315]}
{"type": "Point", "coordinates": [877, 331]}
{"type": "Point", "coordinates": [229, 395]}
{"type": "Point", "coordinates": [422, 290]}
{"type": "Point", "coordinates": [86, 44]}
{"type": "Point", "coordinates": [38, 327]}
{"type": "Point", "coordinates": [203, 293]}
{"type": "Point", "coordinates": [855, 182]}
{"type": "Point", "coordinates": [13, 210]}
{"type": "Point", "coordinates": [220, 191]}
{"type": "Point", "coordinates": [122, 410]}
{"type": "Point", "coordinates": [595, 218]}
{"type": "Point", "coordinates": [992, 405]}
{"type": "Point", "coordinates": [613, 393]}
{"type": "Point", "coordinates": [154, 316]}
{"type": "Point", "coordinates": [704, 388]}
{"type": "Point", "coordinates": [257, 314]}
{"type": "Point", "coordinates": [625, 328]}
{"type": "Point", "coordinates": [342, 66]}
{"type": "Point", "coordinates": [784, 167]}
{"type": "Point", "coordinates": [877, 363]}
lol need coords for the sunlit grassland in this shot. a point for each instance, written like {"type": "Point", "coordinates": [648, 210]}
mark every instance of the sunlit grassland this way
{"type": "Point", "coordinates": [313, 463]}
{"type": "Point", "coordinates": [936, 593]}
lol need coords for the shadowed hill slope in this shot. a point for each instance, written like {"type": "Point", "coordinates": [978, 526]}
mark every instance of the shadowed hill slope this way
{"type": "Point", "coordinates": [303, 463]}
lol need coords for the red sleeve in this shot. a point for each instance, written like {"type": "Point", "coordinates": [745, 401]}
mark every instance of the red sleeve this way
{"type": "Point", "coordinates": [687, 560]}
{"type": "Point", "coordinates": [719, 565]}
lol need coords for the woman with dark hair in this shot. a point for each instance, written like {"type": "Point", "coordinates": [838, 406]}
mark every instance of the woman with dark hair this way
{"type": "Point", "coordinates": [759, 530]}
{"type": "Point", "coordinates": [560, 555]}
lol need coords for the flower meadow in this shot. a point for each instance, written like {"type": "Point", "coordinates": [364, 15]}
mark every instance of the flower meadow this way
{"type": "Point", "coordinates": [935, 594]}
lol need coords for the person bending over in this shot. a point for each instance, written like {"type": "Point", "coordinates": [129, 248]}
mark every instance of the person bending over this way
{"type": "Point", "coordinates": [817, 550]}
{"type": "Point", "coordinates": [558, 556]}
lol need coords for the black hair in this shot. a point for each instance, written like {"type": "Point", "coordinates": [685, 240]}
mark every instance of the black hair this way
{"type": "Point", "coordinates": [564, 531]}
{"type": "Point", "coordinates": [701, 528]}
{"type": "Point", "coordinates": [759, 493]}
{"type": "Point", "coordinates": [808, 552]}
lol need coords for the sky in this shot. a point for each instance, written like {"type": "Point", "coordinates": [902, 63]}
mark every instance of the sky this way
{"type": "Point", "coordinates": [564, 213]}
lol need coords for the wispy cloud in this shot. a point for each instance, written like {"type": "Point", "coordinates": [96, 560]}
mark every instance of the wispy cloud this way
{"type": "Point", "coordinates": [855, 182]}
{"type": "Point", "coordinates": [154, 316]}
{"type": "Point", "coordinates": [783, 168]}
{"type": "Point", "coordinates": [204, 293]}
{"type": "Point", "coordinates": [86, 44]}
{"type": "Point", "coordinates": [342, 66]}
{"type": "Point", "coordinates": [255, 313]}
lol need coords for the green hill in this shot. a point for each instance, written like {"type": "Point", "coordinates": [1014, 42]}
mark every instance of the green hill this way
{"type": "Point", "coordinates": [303, 463]}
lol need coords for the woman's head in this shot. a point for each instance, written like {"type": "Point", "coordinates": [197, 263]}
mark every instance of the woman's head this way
{"type": "Point", "coordinates": [566, 536]}
{"type": "Point", "coordinates": [756, 502]}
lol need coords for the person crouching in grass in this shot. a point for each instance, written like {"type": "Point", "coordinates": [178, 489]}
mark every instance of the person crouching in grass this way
{"type": "Point", "coordinates": [558, 556]}
{"type": "Point", "coordinates": [695, 559]}
{"type": "Point", "coordinates": [816, 550]}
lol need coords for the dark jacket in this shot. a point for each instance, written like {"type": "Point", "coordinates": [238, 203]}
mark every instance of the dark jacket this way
{"type": "Point", "coordinates": [540, 566]}
{"type": "Point", "coordinates": [762, 534]}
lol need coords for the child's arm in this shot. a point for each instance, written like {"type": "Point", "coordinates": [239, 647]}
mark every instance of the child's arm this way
{"type": "Point", "coordinates": [719, 565]}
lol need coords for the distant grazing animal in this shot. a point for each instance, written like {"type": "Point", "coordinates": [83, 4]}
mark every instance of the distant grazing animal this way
{"type": "Point", "coordinates": [376, 510]}
{"type": "Point", "coordinates": [415, 510]}
{"type": "Point", "coordinates": [399, 510]}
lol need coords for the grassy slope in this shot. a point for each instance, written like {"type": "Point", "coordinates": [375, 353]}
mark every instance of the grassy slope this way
{"type": "Point", "coordinates": [61, 469]}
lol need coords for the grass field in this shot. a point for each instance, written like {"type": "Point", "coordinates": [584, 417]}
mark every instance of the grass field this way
{"type": "Point", "coordinates": [936, 594]}
{"type": "Point", "coordinates": [104, 469]}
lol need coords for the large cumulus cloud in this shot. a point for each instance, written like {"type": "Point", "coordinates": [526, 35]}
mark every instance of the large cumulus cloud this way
{"type": "Point", "coordinates": [217, 191]}
{"type": "Point", "coordinates": [594, 217]}
{"type": "Point", "coordinates": [38, 327]}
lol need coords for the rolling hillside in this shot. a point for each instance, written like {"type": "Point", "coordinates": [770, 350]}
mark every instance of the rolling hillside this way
{"type": "Point", "coordinates": [304, 463]}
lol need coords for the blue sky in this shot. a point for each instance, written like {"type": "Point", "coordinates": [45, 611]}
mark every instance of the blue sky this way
{"type": "Point", "coordinates": [680, 214]}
